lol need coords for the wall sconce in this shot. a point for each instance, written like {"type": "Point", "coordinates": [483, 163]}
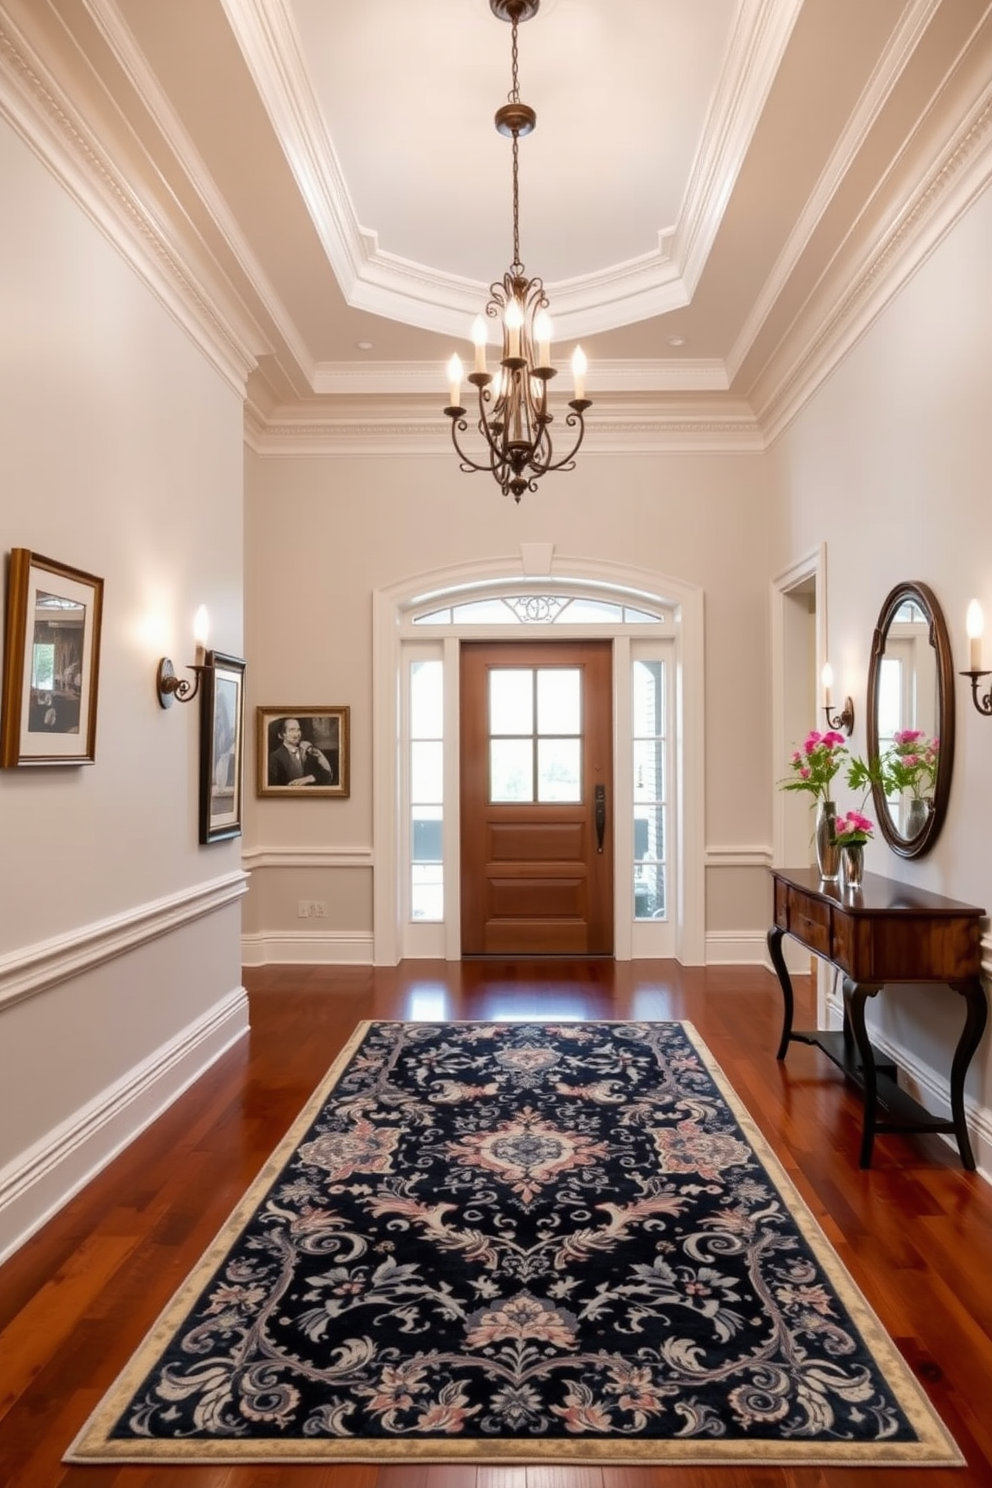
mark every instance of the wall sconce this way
{"type": "Point", "coordinates": [172, 688]}
{"type": "Point", "coordinates": [845, 718]}
{"type": "Point", "coordinates": [975, 624]}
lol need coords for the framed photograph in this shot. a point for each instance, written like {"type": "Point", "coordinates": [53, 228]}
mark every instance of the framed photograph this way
{"type": "Point", "coordinates": [222, 717]}
{"type": "Point", "coordinates": [51, 663]}
{"type": "Point", "coordinates": [303, 752]}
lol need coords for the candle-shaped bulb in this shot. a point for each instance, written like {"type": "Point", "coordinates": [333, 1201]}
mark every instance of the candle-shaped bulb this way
{"type": "Point", "coordinates": [975, 625]}
{"type": "Point", "coordinates": [579, 368]}
{"type": "Point", "coordinates": [514, 319]}
{"type": "Point", "coordinates": [455, 380]}
{"type": "Point", "coordinates": [827, 678]}
{"type": "Point", "coordinates": [201, 633]}
{"type": "Point", "coordinates": [479, 342]}
{"type": "Point", "coordinates": [542, 330]}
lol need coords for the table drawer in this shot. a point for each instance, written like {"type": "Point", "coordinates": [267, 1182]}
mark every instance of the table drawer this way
{"type": "Point", "coordinates": [809, 921]}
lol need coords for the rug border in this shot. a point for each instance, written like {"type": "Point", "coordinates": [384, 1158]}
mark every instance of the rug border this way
{"type": "Point", "coordinates": [936, 1446]}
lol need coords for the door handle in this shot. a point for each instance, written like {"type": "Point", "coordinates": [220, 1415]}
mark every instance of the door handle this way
{"type": "Point", "coordinates": [600, 795]}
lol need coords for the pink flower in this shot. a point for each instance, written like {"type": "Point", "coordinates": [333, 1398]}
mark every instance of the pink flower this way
{"type": "Point", "coordinates": [815, 765]}
{"type": "Point", "coordinates": [853, 828]}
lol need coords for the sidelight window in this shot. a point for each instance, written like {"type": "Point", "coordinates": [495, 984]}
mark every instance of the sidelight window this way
{"type": "Point", "coordinates": [426, 794]}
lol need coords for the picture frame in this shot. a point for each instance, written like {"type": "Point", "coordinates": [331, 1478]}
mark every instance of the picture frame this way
{"type": "Point", "coordinates": [304, 752]}
{"type": "Point", "coordinates": [222, 715]}
{"type": "Point", "coordinates": [51, 663]}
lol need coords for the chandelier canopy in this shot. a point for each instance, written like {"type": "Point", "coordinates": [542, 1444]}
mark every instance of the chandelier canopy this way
{"type": "Point", "coordinates": [514, 418]}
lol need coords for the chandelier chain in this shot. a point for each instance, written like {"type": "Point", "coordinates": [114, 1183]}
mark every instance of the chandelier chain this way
{"type": "Point", "coordinates": [514, 97]}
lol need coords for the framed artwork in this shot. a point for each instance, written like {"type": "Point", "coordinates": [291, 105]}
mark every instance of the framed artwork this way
{"type": "Point", "coordinates": [51, 663]}
{"type": "Point", "coordinates": [222, 716]}
{"type": "Point", "coordinates": [303, 752]}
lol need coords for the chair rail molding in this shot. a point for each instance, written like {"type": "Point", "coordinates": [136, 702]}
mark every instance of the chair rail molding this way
{"type": "Point", "coordinates": [34, 968]}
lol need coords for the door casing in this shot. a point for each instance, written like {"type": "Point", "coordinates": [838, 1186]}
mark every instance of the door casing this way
{"type": "Point", "coordinates": [393, 630]}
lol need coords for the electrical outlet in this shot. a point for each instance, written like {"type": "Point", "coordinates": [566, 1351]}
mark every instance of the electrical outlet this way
{"type": "Point", "coordinates": [311, 909]}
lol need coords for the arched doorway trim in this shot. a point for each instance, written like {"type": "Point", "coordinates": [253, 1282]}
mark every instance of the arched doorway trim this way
{"type": "Point", "coordinates": [391, 608]}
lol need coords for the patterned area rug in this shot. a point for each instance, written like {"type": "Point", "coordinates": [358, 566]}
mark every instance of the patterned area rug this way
{"type": "Point", "coordinates": [520, 1242]}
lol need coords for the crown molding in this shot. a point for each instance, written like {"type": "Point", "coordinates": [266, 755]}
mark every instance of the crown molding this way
{"type": "Point", "coordinates": [37, 108]}
{"type": "Point", "coordinates": [891, 67]}
{"type": "Point", "coordinates": [955, 179]}
{"type": "Point", "coordinates": [427, 379]}
{"type": "Point", "coordinates": [107, 17]}
{"type": "Point", "coordinates": [408, 427]}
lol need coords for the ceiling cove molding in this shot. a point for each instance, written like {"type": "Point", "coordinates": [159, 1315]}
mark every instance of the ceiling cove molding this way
{"type": "Point", "coordinates": [112, 26]}
{"type": "Point", "coordinates": [265, 33]}
{"type": "Point", "coordinates": [941, 199]}
{"type": "Point", "coordinates": [625, 427]}
{"type": "Point", "coordinates": [904, 42]}
{"type": "Point", "coordinates": [383, 283]}
{"type": "Point", "coordinates": [427, 378]}
{"type": "Point", "coordinates": [761, 35]}
{"type": "Point", "coordinates": [36, 108]}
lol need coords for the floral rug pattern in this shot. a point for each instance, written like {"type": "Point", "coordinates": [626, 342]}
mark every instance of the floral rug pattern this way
{"type": "Point", "coordinates": [520, 1241]}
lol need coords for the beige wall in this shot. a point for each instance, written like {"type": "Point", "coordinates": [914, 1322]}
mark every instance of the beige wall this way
{"type": "Point", "coordinates": [120, 454]}
{"type": "Point", "coordinates": [890, 463]}
{"type": "Point", "coordinates": [323, 533]}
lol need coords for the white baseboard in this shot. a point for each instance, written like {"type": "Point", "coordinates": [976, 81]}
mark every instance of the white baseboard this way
{"type": "Point", "coordinates": [46, 1176]}
{"type": "Point", "coordinates": [736, 948]}
{"type": "Point", "coordinates": [319, 948]}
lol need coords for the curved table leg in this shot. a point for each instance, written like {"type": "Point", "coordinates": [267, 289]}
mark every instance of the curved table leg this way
{"type": "Point", "coordinates": [976, 1017]}
{"type": "Point", "coordinates": [856, 995]}
{"type": "Point", "coordinates": [775, 935]}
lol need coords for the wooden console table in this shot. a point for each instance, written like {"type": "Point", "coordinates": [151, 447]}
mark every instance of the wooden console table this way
{"type": "Point", "coordinates": [885, 932]}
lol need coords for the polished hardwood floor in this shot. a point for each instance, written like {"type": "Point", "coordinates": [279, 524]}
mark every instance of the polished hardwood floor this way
{"type": "Point", "coordinates": [915, 1230]}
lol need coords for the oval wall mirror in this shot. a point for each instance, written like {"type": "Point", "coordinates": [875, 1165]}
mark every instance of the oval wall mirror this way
{"type": "Point", "coordinates": [911, 693]}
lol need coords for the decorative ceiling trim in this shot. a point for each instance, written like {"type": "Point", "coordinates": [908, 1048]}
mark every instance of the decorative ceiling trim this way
{"type": "Point", "coordinates": [761, 35]}
{"type": "Point", "coordinates": [940, 199]}
{"type": "Point", "coordinates": [904, 42]}
{"type": "Point", "coordinates": [383, 283]}
{"type": "Point", "coordinates": [112, 26]}
{"type": "Point", "coordinates": [411, 378]}
{"type": "Point", "coordinates": [395, 428]}
{"type": "Point", "coordinates": [35, 106]}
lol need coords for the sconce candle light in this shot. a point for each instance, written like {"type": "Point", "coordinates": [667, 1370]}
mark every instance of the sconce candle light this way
{"type": "Point", "coordinates": [845, 718]}
{"type": "Point", "coordinates": [975, 625]}
{"type": "Point", "coordinates": [172, 688]}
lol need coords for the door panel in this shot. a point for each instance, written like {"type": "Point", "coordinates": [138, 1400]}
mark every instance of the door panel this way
{"type": "Point", "coordinates": [535, 879]}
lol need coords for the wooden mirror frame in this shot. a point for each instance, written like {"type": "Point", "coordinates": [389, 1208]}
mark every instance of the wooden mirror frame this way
{"type": "Point", "coordinates": [924, 597]}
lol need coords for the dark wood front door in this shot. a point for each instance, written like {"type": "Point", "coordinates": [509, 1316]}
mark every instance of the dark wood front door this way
{"type": "Point", "coordinates": [536, 811]}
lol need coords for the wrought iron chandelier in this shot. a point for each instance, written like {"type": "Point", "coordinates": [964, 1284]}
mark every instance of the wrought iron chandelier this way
{"type": "Point", "coordinates": [514, 419]}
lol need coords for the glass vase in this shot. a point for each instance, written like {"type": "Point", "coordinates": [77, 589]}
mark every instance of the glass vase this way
{"type": "Point", "coordinates": [917, 816]}
{"type": "Point", "coordinates": [827, 851]}
{"type": "Point", "coordinates": [852, 866]}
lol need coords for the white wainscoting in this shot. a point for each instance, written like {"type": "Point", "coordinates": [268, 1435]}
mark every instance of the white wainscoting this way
{"type": "Point", "coordinates": [34, 968]}
{"type": "Point", "coordinates": [45, 1175]}
{"type": "Point", "coordinates": [307, 947]}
